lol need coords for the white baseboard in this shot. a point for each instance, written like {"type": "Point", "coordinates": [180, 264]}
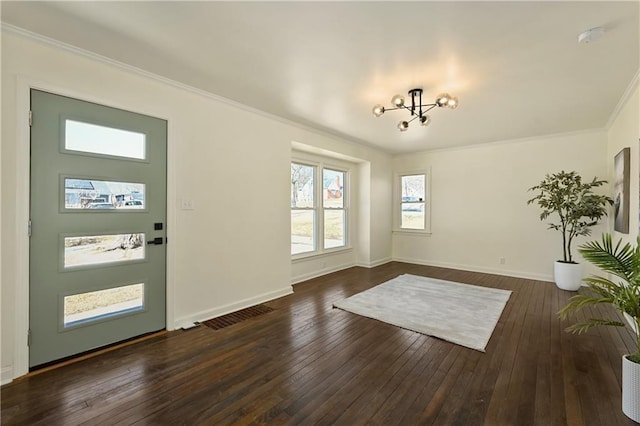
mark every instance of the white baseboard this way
{"type": "Point", "coordinates": [374, 263]}
{"type": "Point", "coordinates": [474, 268]}
{"type": "Point", "coordinates": [187, 321]}
{"type": "Point", "coordinates": [315, 274]}
{"type": "Point", "coordinates": [6, 375]}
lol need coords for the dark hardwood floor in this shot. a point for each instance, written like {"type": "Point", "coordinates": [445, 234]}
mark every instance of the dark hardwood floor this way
{"type": "Point", "coordinates": [306, 363]}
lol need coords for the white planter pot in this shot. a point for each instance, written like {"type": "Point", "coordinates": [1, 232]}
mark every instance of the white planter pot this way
{"type": "Point", "coordinates": [631, 389]}
{"type": "Point", "coordinates": [568, 276]}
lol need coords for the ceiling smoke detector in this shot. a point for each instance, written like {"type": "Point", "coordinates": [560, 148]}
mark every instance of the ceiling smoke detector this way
{"type": "Point", "coordinates": [590, 35]}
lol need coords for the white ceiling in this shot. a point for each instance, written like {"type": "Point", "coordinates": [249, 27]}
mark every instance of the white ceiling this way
{"type": "Point", "coordinates": [516, 67]}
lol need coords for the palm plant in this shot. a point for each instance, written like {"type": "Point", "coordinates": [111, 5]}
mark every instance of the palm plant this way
{"type": "Point", "coordinates": [623, 262]}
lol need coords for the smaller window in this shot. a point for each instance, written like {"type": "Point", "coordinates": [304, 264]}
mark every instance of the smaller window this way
{"type": "Point", "coordinates": [414, 209]}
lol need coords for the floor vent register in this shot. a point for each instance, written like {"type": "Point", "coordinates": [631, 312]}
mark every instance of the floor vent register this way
{"type": "Point", "coordinates": [236, 317]}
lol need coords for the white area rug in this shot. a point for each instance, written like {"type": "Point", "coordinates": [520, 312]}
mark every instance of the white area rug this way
{"type": "Point", "coordinates": [459, 313]}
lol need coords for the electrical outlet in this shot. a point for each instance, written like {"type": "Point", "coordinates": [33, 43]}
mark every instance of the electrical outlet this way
{"type": "Point", "coordinates": [503, 260]}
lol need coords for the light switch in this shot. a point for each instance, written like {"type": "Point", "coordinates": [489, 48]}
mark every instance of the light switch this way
{"type": "Point", "coordinates": [187, 204]}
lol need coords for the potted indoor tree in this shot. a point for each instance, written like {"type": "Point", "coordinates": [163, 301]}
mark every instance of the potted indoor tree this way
{"type": "Point", "coordinates": [623, 263]}
{"type": "Point", "coordinates": [578, 208]}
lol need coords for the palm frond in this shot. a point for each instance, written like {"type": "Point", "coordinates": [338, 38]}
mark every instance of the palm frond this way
{"type": "Point", "coordinates": [584, 326]}
{"type": "Point", "coordinates": [580, 301]}
{"type": "Point", "coordinates": [603, 286]}
{"type": "Point", "coordinates": [628, 301]}
{"type": "Point", "coordinates": [602, 282]}
{"type": "Point", "coordinates": [622, 261]}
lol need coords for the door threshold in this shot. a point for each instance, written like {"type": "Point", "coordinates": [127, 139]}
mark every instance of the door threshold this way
{"type": "Point", "coordinates": [92, 353]}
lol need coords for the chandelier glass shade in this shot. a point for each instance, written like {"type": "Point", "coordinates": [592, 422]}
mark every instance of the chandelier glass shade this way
{"type": "Point", "coordinates": [417, 109]}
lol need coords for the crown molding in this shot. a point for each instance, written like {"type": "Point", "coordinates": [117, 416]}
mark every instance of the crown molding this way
{"type": "Point", "coordinates": [628, 93]}
{"type": "Point", "coordinates": [508, 142]}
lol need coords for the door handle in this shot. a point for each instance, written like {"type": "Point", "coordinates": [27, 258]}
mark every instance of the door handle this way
{"type": "Point", "coordinates": [157, 240]}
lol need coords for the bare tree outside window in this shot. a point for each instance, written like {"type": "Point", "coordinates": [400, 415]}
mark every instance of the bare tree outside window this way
{"type": "Point", "coordinates": [303, 215]}
{"type": "Point", "coordinates": [301, 185]}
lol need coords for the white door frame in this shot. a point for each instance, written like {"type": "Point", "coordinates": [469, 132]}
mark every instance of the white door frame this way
{"type": "Point", "coordinates": [23, 186]}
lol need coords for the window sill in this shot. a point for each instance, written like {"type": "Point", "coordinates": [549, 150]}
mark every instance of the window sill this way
{"type": "Point", "coordinates": [412, 232]}
{"type": "Point", "coordinates": [317, 255]}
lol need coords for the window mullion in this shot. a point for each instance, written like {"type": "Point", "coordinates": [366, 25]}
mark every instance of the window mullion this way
{"type": "Point", "coordinates": [320, 208]}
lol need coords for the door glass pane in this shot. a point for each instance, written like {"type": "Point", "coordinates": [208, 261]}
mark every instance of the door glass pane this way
{"type": "Point", "coordinates": [96, 194]}
{"type": "Point", "coordinates": [95, 139]}
{"type": "Point", "coordinates": [301, 185]}
{"type": "Point", "coordinates": [332, 188]}
{"type": "Point", "coordinates": [333, 228]}
{"type": "Point", "coordinates": [94, 305]}
{"type": "Point", "coordinates": [412, 216]}
{"type": "Point", "coordinates": [100, 249]}
{"type": "Point", "coordinates": [302, 226]}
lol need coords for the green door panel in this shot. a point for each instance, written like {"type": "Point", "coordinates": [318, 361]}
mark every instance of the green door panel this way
{"type": "Point", "coordinates": [79, 198]}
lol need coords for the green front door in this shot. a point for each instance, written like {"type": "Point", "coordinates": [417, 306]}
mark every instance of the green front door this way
{"type": "Point", "coordinates": [98, 226]}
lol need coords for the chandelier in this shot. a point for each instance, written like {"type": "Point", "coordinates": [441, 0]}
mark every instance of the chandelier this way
{"type": "Point", "coordinates": [416, 107]}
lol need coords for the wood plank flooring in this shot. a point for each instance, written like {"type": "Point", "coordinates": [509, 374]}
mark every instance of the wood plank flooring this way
{"type": "Point", "coordinates": [307, 363]}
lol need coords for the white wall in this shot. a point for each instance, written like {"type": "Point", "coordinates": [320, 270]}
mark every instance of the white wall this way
{"type": "Point", "coordinates": [222, 258]}
{"type": "Point", "coordinates": [625, 132]}
{"type": "Point", "coordinates": [380, 194]}
{"type": "Point", "coordinates": [233, 249]}
{"type": "Point", "coordinates": [479, 203]}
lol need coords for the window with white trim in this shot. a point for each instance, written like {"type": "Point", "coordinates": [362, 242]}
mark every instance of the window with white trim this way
{"type": "Point", "coordinates": [413, 208]}
{"type": "Point", "coordinates": [333, 208]}
{"type": "Point", "coordinates": [319, 208]}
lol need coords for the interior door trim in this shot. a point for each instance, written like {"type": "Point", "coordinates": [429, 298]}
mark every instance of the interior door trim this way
{"type": "Point", "coordinates": [24, 84]}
